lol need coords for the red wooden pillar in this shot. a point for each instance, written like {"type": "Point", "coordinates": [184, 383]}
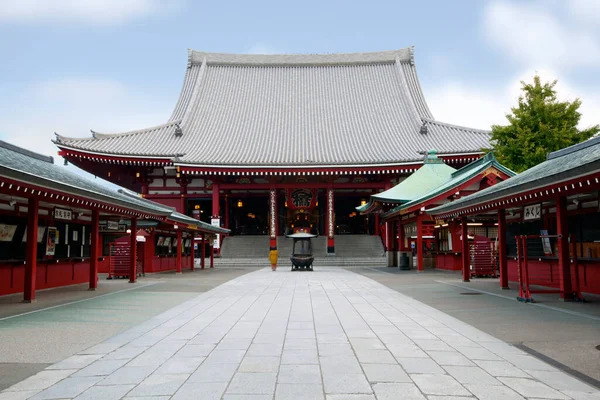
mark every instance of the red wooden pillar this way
{"type": "Point", "coordinates": [564, 266]}
{"type": "Point", "coordinates": [133, 244]}
{"type": "Point", "coordinates": [330, 222]}
{"type": "Point", "coordinates": [203, 252]}
{"type": "Point", "coordinates": [502, 249]}
{"type": "Point", "coordinates": [420, 266]}
{"type": "Point", "coordinates": [226, 211]}
{"type": "Point", "coordinates": [192, 255]}
{"type": "Point", "coordinates": [273, 219]}
{"type": "Point", "coordinates": [466, 254]}
{"type": "Point", "coordinates": [94, 249]}
{"type": "Point", "coordinates": [212, 257]}
{"type": "Point", "coordinates": [178, 261]}
{"type": "Point", "coordinates": [400, 229]}
{"type": "Point", "coordinates": [216, 212]}
{"type": "Point", "coordinates": [390, 244]}
{"type": "Point", "coordinates": [376, 224]}
{"type": "Point", "coordinates": [31, 256]}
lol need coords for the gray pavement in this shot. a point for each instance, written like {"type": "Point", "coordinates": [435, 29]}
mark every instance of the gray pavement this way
{"type": "Point", "coordinates": [330, 334]}
{"type": "Point", "coordinates": [67, 320]}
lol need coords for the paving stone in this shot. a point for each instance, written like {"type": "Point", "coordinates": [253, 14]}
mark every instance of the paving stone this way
{"type": "Point", "coordinates": [436, 345]}
{"type": "Point", "coordinates": [406, 351]}
{"type": "Point", "coordinates": [195, 350]}
{"type": "Point", "coordinates": [21, 395]}
{"type": "Point", "coordinates": [299, 374]}
{"type": "Point", "coordinates": [75, 362]}
{"type": "Point", "coordinates": [159, 385]}
{"type": "Point", "coordinates": [225, 357]}
{"type": "Point", "coordinates": [385, 373]}
{"type": "Point", "coordinates": [101, 368]}
{"type": "Point", "coordinates": [247, 397]}
{"type": "Point", "coordinates": [102, 348]}
{"type": "Point", "coordinates": [478, 353]}
{"type": "Point", "coordinates": [332, 338]}
{"type": "Point", "coordinates": [252, 383]}
{"type": "Point", "coordinates": [335, 349]}
{"type": "Point", "coordinates": [234, 344]}
{"type": "Point", "coordinates": [528, 362]}
{"type": "Point", "coordinates": [259, 364]}
{"type": "Point", "coordinates": [450, 358]}
{"type": "Point", "coordinates": [200, 390]}
{"type": "Point", "coordinates": [299, 344]}
{"type": "Point", "coordinates": [264, 349]}
{"type": "Point", "coordinates": [532, 388]}
{"type": "Point", "coordinates": [394, 391]}
{"type": "Point", "coordinates": [180, 365]}
{"type": "Point", "coordinates": [113, 392]}
{"type": "Point", "coordinates": [128, 375]}
{"type": "Point", "coordinates": [502, 368]}
{"type": "Point", "coordinates": [473, 375]}
{"type": "Point", "coordinates": [561, 381]}
{"type": "Point", "coordinates": [576, 395]}
{"type": "Point", "coordinates": [340, 365]}
{"type": "Point", "coordinates": [450, 398]}
{"type": "Point", "coordinates": [375, 356]}
{"type": "Point", "coordinates": [439, 385]}
{"type": "Point", "coordinates": [349, 397]}
{"type": "Point", "coordinates": [484, 392]}
{"type": "Point", "coordinates": [300, 334]}
{"type": "Point", "coordinates": [42, 380]}
{"type": "Point", "coordinates": [420, 366]}
{"type": "Point", "coordinates": [367, 344]}
{"type": "Point", "coordinates": [125, 353]}
{"type": "Point", "coordinates": [67, 388]}
{"type": "Point", "coordinates": [346, 383]}
{"type": "Point", "coordinates": [299, 357]}
{"type": "Point", "coordinates": [302, 325]}
{"type": "Point", "coordinates": [299, 391]}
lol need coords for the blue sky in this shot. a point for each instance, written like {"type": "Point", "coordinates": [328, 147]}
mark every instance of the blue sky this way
{"type": "Point", "coordinates": [113, 65]}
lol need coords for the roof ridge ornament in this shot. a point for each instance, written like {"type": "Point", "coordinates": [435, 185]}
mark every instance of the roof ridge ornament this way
{"type": "Point", "coordinates": [178, 130]}
{"type": "Point", "coordinates": [411, 53]}
{"type": "Point", "coordinates": [423, 130]}
{"type": "Point", "coordinates": [432, 158]}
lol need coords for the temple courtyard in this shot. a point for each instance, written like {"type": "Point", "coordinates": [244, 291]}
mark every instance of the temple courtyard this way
{"type": "Point", "coordinates": [250, 333]}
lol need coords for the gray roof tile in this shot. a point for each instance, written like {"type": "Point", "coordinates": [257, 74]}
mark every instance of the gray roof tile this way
{"type": "Point", "coordinates": [259, 110]}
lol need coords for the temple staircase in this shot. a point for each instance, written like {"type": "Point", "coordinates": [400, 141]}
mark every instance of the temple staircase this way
{"type": "Point", "coordinates": [350, 251]}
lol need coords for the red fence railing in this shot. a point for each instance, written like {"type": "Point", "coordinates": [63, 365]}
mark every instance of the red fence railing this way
{"type": "Point", "coordinates": [544, 277]}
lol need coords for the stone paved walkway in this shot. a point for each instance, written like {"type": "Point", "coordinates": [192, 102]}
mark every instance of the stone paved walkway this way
{"type": "Point", "coordinates": [329, 334]}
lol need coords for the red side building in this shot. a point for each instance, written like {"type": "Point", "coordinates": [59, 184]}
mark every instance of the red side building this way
{"type": "Point", "coordinates": [269, 144]}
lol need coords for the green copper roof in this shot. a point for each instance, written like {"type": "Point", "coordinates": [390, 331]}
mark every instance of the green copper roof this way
{"type": "Point", "coordinates": [456, 179]}
{"type": "Point", "coordinates": [433, 173]}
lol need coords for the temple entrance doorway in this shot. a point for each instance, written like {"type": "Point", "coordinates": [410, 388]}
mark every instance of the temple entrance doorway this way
{"type": "Point", "coordinates": [347, 220]}
{"type": "Point", "coordinates": [249, 215]}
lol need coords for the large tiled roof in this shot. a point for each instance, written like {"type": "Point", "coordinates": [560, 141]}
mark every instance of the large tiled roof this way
{"type": "Point", "coordinates": [578, 160]}
{"type": "Point", "coordinates": [300, 110]}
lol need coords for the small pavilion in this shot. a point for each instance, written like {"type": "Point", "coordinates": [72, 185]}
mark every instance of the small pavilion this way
{"type": "Point", "coordinates": [411, 230]}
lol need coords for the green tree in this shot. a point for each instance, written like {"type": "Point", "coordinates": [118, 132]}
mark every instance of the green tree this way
{"type": "Point", "coordinates": [538, 125]}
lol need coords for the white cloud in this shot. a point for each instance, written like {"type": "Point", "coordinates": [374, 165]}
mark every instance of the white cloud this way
{"type": "Point", "coordinates": [532, 35]}
{"type": "Point", "coordinates": [71, 107]}
{"type": "Point", "coordinates": [261, 48]}
{"type": "Point", "coordinates": [99, 11]}
{"type": "Point", "coordinates": [481, 107]}
{"type": "Point", "coordinates": [585, 10]}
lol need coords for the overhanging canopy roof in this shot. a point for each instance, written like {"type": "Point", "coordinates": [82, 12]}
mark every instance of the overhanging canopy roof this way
{"type": "Point", "coordinates": [575, 161]}
{"type": "Point", "coordinates": [293, 110]}
{"type": "Point", "coordinates": [456, 179]}
{"type": "Point", "coordinates": [22, 165]}
{"type": "Point", "coordinates": [432, 174]}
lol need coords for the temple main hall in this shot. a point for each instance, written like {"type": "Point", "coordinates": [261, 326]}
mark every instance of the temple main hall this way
{"type": "Point", "coordinates": [276, 144]}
